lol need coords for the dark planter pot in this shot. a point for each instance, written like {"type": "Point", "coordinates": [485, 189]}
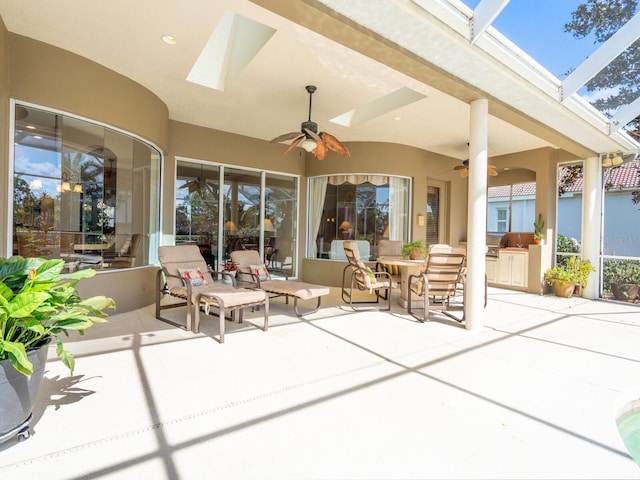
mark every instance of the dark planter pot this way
{"type": "Point", "coordinates": [18, 394]}
{"type": "Point", "coordinates": [625, 292]}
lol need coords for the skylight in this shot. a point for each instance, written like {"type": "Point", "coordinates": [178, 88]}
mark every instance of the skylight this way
{"type": "Point", "coordinates": [232, 45]}
{"type": "Point", "coordinates": [380, 106]}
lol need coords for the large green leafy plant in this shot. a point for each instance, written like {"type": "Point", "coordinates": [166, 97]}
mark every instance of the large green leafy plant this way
{"type": "Point", "coordinates": [38, 303]}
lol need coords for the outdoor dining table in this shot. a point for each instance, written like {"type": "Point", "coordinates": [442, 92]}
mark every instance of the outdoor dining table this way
{"type": "Point", "coordinates": [407, 268]}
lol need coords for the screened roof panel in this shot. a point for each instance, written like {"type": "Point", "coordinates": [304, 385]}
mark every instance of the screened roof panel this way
{"type": "Point", "coordinates": [539, 28]}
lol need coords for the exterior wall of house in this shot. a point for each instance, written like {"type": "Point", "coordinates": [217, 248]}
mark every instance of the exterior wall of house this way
{"type": "Point", "coordinates": [393, 159]}
{"type": "Point", "coordinates": [522, 213]}
{"type": "Point", "coordinates": [34, 72]}
{"type": "Point", "coordinates": [199, 143]}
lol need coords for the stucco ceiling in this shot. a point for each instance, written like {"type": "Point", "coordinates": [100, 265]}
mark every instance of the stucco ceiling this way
{"type": "Point", "coordinates": [261, 88]}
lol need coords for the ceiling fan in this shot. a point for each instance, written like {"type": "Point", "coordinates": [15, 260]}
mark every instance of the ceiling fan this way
{"type": "Point", "coordinates": [308, 137]}
{"type": "Point", "coordinates": [199, 184]}
{"type": "Point", "coordinates": [491, 169]}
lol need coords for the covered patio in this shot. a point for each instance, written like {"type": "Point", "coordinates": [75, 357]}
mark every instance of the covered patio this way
{"type": "Point", "coordinates": [342, 394]}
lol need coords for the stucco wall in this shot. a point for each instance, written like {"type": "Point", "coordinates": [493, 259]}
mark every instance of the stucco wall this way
{"type": "Point", "coordinates": [41, 74]}
{"type": "Point", "coordinates": [394, 159]}
{"type": "Point", "coordinates": [49, 76]}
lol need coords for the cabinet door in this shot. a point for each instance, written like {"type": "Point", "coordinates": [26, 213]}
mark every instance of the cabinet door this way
{"type": "Point", "coordinates": [492, 269]}
{"type": "Point", "coordinates": [519, 269]}
{"type": "Point", "coordinates": [504, 269]}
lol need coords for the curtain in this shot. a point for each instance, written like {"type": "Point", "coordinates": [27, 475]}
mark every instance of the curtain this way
{"type": "Point", "coordinates": [397, 207]}
{"type": "Point", "coordinates": [358, 179]}
{"type": "Point", "coordinates": [317, 192]}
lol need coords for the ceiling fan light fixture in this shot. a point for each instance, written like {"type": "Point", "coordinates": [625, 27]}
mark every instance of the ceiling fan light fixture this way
{"type": "Point", "coordinates": [308, 144]}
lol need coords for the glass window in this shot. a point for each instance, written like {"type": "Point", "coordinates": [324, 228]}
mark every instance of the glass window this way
{"type": "Point", "coordinates": [356, 207]}
{"type": "Point", "coordinates": [280, 221]}
{"type": "Point", "coordinates": [433, 214]}
{"type": "Point", "coordinates": [502, 219]}
{"type": "Point", "coordinates": [83, 192]}
{"type": "Point", "coordinates": [259, 212]}
{"type": "Point", "coordinates": [511, 208]}
{"type": "Point", "coordinates": [197, 191]}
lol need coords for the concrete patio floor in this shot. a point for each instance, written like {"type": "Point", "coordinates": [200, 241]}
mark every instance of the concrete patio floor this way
{"type": "Point", "coordinates": [341, 395]}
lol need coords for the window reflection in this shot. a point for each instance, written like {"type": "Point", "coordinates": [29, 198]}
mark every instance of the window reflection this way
{"type": "Point", "coordinates": [82, 192]}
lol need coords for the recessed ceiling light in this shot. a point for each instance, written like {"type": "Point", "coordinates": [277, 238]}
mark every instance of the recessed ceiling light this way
{"type": "Point", "coordinates": [397, 118]}
{"type": "Point", "coordinates": [169, 39]}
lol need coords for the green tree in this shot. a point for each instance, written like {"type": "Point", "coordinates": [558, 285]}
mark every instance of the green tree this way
{"type": "Point", "coordinates": [603, 18]}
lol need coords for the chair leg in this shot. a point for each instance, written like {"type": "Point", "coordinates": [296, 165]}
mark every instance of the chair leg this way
{"type": "Point", "coordinates": [266, 311]}
{"type": "Point", "coordinates": [222, 321]}
{"type": "Point", "coordinates": [300, 314]}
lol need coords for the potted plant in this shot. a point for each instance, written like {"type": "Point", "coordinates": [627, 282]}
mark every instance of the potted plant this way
{"type": "Point", "coordinates": [38, 303]}
{"type": "Point", "coordinates": [230, 267]}
{"type": "Point", "coordinates": [623, 278]}
{"type": "Point", "coordinates": [415, 250]}
{"type": "Point", "coordinates": [538, 230]}
{"type": "Point", "coordinates": [565, 278]}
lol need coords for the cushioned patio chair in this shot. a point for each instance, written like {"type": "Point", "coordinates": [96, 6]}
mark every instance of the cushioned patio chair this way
{"type": "Point", "coordinates": [357, 277]}
{"type": "Point", "coordinates": [438, 286]}
{"type": "Point", "coordinates": [184, 274]}
{"type": "Point", "coordinates": [254, 272]}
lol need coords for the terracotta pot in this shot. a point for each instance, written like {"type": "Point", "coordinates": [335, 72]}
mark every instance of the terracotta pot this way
{"type": "Point", "coordinates": [537, 241]}
{"type": "Point", "coordinates": [564, 289]}
{"type": "Point", "coordinates": [416, 254]}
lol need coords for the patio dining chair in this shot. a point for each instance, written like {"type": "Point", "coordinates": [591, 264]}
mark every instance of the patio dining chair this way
{"type": "Point", "coordinates": [438, 286]}
{"type": "Point", "coordinates": [184, 274]}
{"type": "Point", "coordinates": [357, 277]}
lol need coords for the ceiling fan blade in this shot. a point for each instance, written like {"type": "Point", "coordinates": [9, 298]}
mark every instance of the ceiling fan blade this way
{"type": "Point", "coordinates": [285, 136]}
{"type": "Point", "coordinates": [491, 172]}
{"type": "Point", "coordinates": [459, 167]}
{"type": "Point", "coordinates": [293, 145]}
{"type": "Point", "coordinates": [334, 144]}
{"type": "Point", "coordinates": [313, 135]}
{"type": "Point", "coordinates": [320, 151]}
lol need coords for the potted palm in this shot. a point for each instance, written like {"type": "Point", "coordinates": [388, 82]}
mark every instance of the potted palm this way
{"type": "Point", "coordinates": [38, 303]}
{"type": "Point", "coordinates": [565, 278]}
{"type": "Point", "coordinates": [415, 250]}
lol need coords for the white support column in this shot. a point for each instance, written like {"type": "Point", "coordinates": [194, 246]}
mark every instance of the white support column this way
{"type": "Point", "coordinates": [477, 214]}
{"type": "Point", "coordinates": [592, 221]}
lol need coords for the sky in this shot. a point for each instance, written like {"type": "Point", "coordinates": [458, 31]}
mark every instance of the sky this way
{"type": "Point", "coordinates": [537, 27]}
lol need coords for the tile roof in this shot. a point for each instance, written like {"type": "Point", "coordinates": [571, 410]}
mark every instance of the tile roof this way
{"type": "Point", "coordinates": [625, 176]}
